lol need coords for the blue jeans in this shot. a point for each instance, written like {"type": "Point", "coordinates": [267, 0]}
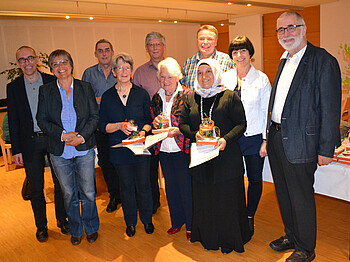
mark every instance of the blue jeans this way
{"type": "Point", "coordinates": [77, 180]}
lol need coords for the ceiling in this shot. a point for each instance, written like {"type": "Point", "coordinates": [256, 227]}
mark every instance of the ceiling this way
{"type": "Point", "coordinates": [168, 11]}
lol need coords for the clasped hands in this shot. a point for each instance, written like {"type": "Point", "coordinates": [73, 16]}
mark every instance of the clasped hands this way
{"type": "Point", "coordinates": [72, 139]}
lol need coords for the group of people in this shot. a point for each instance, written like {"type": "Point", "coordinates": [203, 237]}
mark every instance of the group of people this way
{"type": "Point", "coordinates": [295, 123]}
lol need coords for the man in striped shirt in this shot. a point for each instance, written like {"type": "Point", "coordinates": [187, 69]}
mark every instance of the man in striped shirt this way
{"type": "Point", "coordinates": [207, 39]}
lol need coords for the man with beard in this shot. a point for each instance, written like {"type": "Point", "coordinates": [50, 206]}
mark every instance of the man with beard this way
{"type": "Point", "coordinates": [303, 130]}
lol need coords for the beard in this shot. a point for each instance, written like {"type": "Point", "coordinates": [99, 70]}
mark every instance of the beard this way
{"type": "Point", "coordinates": [298, 39]}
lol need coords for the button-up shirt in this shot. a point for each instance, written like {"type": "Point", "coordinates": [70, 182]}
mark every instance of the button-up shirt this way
{"type": "Point", "coordinates": [69, 120]}
{"type": "Point", "coordinates": [255, 94]}
{"type": "Point", "coordinates": [284, 82]}
{"type": "Point", "coordinates": [95, 76]}
{"type": "Point", "coordinates": [189, 71]}
{"type": "Point", "coordinates": [32, 90]}
{"type": "Point", "coordinates": [146, 77]}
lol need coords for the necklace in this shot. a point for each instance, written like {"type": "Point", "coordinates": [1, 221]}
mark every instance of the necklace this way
{"type": "Point", "coordinates": [124, 96]}
{"type": "Point", "coordinates": [210, 110]}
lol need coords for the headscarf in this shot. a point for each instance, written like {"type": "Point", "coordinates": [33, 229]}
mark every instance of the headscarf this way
{"type": "Point", "coordinates": [217, 87]}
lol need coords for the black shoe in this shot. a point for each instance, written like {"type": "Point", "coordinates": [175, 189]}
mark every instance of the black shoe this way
{"type": "Point", "coordinates": [41, 234]}
{"type": "Point", "coordinates": [75, 240]}
{"type": "Point", "coordinates": [226, 251]}
{"type": "Point", "coordinates": [63, 225]}
{"type": "Point", "coordinates": [251, 226]}
{"type": "Point", "coordinates": [113, 205]}
{"type": "Point", "coordinates": [130, 231]}
{"type": "Point", "coordinates": [282, 244]}
{"type": "Point", "coordinates": [149, 228]}
{"type": "Point", "coordinates": [155, 208]}
{"type": "Point", "coordinates": [301, 256]}
{"type": "Point", "coordinates": [92, 238]}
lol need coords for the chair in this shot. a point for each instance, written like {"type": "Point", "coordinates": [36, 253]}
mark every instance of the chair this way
{"type": "Point", "coordinates": [6, 152]}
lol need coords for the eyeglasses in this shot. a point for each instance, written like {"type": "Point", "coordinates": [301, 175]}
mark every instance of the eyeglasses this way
{"type": "Point", "coordinates": [290, 29]}
{"type": "Point", "coordinates": [62, 62]}
{"type": "Point", "coordinates": [120, 68]}
{"type": "Point", "coordinates": [153, 45]}
{"type": "Point", "coordinates": [23, 60]}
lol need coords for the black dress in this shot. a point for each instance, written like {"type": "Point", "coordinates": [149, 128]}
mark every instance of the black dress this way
{"type": "Point", "coordinates": [219, 208]}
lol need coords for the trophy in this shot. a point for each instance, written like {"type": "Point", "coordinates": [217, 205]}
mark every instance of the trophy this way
{"type": "Point", "coordinates": [134, 136]}
{"type": "Point", "coordinates": [209, 131]}
{"type": "Point", "coordinates": [163, 124]}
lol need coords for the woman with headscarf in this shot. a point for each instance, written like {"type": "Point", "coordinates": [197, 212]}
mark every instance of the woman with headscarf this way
{"type": "Point", "coordinates": [174, 150]}
{"type": "Point", "coordinates": [253, 87]}
{"type": "Point", "coordinates": [219, 213]}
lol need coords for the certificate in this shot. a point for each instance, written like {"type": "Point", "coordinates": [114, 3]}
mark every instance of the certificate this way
{"type": "Point", "coordinates": [202, 153]}
{"type": "Point", "coordinates": [138, 148]}
{"type": "Point", "coordinates": [154, 139]}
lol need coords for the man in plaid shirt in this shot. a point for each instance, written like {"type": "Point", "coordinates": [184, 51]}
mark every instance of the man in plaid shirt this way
{"type": "Point", "coordinates": [207, 39]}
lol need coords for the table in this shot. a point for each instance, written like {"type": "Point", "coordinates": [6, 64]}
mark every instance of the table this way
{"type": "Point", "coordinates": [332, 180]}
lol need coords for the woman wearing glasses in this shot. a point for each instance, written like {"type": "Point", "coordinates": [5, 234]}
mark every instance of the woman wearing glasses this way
{"type": "Point", "coordinates": [120, 104]}
{"type": "Point", "coordinates": [68, 114]}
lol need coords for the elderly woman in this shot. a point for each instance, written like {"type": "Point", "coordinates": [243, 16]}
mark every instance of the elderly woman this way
{"type": "Point", "coordinates": [120, 104]}
{"type": "Point", "coordinates": [174, 150]}
{"type": "Point", "coordinates": [68, 114]}
{"type": "Point", "coordinates": [219, 211]}
{"type": "Point", "coordinates": [253, 87]}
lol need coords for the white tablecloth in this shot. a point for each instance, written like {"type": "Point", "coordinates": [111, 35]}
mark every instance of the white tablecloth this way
{"type": "Point", "coordinates": [332, 180]}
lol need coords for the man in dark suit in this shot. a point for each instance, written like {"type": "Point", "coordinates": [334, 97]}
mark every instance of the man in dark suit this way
{"type": "Point", "coordinates": [29, 143]}
{"type": "Point", "coordinates": [303, 130]}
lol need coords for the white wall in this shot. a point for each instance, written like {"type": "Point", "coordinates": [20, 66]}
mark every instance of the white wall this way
{"type": "Point", "coordinates": [79, 39]}
{"type": "Point", "coordinates": [251, 27]}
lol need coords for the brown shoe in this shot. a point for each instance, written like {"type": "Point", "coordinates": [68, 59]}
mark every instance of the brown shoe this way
{"type": "Point", "coordinates": [92, 238]}
{"type": "Point", "coordinates": [75, 240]}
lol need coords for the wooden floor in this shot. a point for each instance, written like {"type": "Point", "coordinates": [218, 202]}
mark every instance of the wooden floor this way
{"type": "Point", "coordinates": [18, 242]}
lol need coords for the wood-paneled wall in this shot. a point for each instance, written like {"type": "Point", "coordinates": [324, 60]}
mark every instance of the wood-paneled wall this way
{"type": "Point", "coordinates": [272, 50]}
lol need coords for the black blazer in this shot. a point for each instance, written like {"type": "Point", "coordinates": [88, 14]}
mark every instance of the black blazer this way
{"type": "Point", "coordinates": [20, 117]}
{"type": "Point", "coordinates": [311, 113]}
{"type": "Point", "coordinates": [49, 115]}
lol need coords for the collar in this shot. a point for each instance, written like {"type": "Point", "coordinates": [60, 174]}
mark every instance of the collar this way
{"type": "Point", "coordinates": [150, 64]}
{"type": "Point", "coordinates": [59, 87]}
{"type": "Point", "coordinates": [298, 55]}
{"type": "Point", "coordinates": [161, 92]}
{"type": "Point", "coordinates": [99, 68]}
{"type": "Point", "coordinates": [213, 55]}
{"type": "Point", "coordinates": [40, 78]}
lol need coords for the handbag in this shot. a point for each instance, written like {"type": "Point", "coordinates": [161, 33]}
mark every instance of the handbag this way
{"type": "Point", "coordinates": [26, 188]}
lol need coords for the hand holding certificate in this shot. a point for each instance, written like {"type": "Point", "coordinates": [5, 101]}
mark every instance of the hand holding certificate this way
{"type": "Point", "coordinates": [202, 153]}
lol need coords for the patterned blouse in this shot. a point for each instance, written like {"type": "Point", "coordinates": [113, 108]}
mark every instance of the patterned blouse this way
{"type": "Point", "coordinates": [157, 108]}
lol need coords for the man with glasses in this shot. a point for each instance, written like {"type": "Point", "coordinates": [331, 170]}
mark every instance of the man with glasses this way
{"type": "Point", "coordinates": [29, 143]}
{"type": "Point", "coordinates": [101, 78]}
{"type": "Point", "coordinates": [302, 131]}
{"type": "Point", "coordinates": [146, 77]}
{"type": "Point", "coordinates": [207, 40]}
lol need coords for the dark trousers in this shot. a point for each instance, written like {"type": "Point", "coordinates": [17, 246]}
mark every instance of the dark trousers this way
{"type": "Point", "coordinates": [178, 188]}
{"type": "Point", "coordinates": [295, 194]}
{"type": "Point", "coordinates": [109, 172]}
{"type": "Point", "coordinates": [254, 166]}
{"type": "Point", "coordinates": [135, 176]}
{"type": "Point", "coordinates": [35, 173]}
{"type": "Point", "coordinates": [153, 173]}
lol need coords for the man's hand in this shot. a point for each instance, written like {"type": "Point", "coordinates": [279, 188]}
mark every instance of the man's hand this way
{"type": "Point", "coordinates": [74, 141]}
{"type": "Point", "coordinates": [18, 158]}
{"type": "Point", "coordinates": [67, 136]}
{"type": "Point", "coordinates": [323, 160]}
